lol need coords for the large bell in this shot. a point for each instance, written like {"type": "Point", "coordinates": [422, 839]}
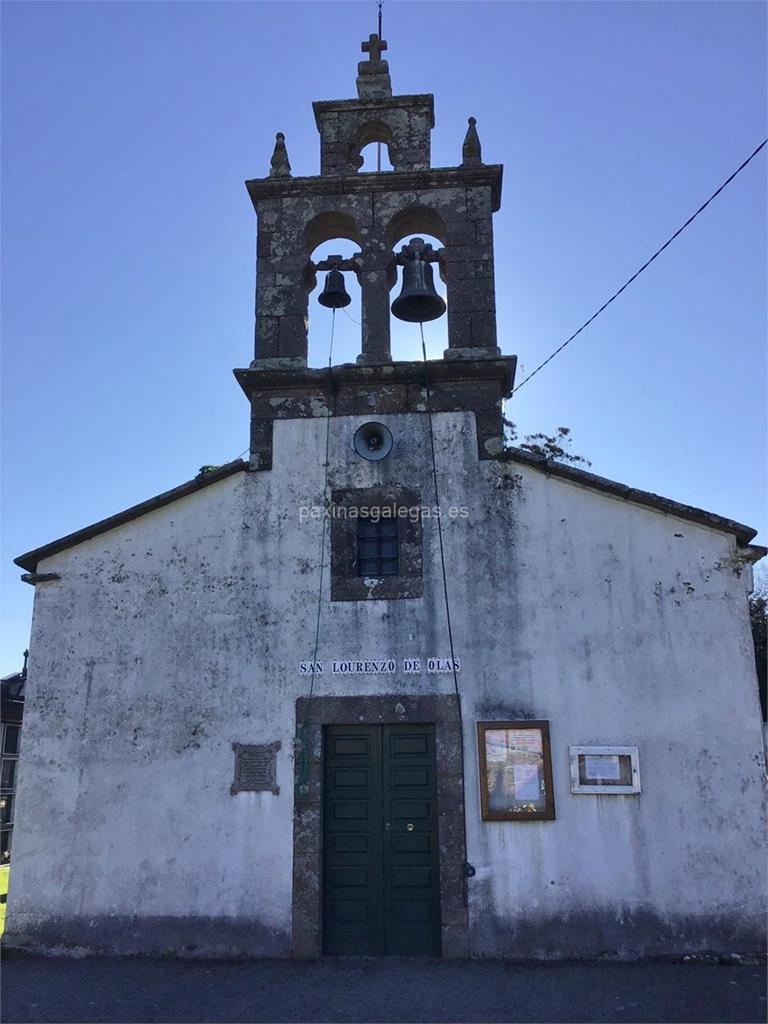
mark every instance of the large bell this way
{"type": "Point", "coordinates": [418, 301]}
{"type": "Point", "coordinates": [334, 295]}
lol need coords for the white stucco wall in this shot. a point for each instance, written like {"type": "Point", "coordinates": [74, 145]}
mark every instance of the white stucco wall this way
{"type": "Point", "coordinates": [171, 637]}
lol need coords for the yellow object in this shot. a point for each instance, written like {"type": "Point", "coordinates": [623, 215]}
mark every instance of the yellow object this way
{"type": "Point", "coordinates": [4, 871]}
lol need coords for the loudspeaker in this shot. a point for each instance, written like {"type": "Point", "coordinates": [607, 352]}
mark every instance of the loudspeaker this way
{"type": "Point", "coordinates": [373, 441]}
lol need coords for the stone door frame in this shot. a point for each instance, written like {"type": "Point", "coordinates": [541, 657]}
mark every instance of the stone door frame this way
{"type": "Point", "coordinates": [440, 710]}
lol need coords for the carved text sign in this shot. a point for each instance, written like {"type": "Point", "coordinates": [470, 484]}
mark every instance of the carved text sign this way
{"type": "Point", "coordinates": [255, 768]}
{"type": "Point", "coordinates": [378, 666]}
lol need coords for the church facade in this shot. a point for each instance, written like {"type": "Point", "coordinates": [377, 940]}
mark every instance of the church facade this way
{"type": "Point", "coordinates": [389, 686]}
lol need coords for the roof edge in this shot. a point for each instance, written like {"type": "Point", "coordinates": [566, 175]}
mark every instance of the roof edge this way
{"type": "Point", "coordinates": [29, 560]}
{"type": "Point", "coordinates": [743, 534]}
{"type": "Point", "coordinates": [700, 516]}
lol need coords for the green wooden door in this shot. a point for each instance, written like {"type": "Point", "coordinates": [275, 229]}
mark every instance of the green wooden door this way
{"type": "Point", "coordinates": [381, 885]}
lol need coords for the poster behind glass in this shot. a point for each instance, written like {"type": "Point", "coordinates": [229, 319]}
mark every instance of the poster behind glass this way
{"type": "Point", "coordinates": [515, 770]}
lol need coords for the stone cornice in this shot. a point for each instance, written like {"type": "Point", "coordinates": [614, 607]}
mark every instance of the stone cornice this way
{"type": "Point", "coordinates": [386, 103]}
{"type": "Point", "coordinates": [253, 379]}
{"type": "Point", "coordinates": [373, 389]}
{"type": "Point", "coordinates": [384, 181]}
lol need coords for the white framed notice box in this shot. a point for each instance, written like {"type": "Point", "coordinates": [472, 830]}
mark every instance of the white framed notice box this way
{"type": "Point", "coordinates": [605, 770]}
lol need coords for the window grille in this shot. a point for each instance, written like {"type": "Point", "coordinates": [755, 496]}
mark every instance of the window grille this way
{"type": "Point", "coordinates": [378, 548]}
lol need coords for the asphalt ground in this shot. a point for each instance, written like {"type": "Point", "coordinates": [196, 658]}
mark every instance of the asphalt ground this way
{"type": "Point", "coordinates": [102, 989]}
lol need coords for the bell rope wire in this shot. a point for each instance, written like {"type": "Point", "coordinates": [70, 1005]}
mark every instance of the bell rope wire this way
{"type": "Point", "coordinates": [647, 264]}
{"type": "Point", "coordinates": [346, 314]}
{"type": "Point", "coordinates": [325, 505]}
{"type": "Point", "coordinates": [379, 4]}
{"type": "Point", "coordinates": [428, 390]}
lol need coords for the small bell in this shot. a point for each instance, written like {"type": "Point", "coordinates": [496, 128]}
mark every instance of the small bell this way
{"type": "Point", "coordinates": [334, 295]}
{"type": "Point", "coordinates": [418, 301]}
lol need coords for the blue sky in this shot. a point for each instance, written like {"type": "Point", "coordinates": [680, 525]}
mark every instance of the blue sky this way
{"type": "Point", "coordinates": [129, 240]}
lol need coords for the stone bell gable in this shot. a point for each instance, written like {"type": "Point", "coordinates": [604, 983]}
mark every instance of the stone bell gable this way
{"type": "Point", "coordinates": [375, 210]}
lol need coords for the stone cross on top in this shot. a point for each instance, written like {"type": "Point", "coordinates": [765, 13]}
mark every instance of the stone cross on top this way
{"type": "Point", "coordinates": [373, 47]}
{"type": "Point", "coordinates": [373, 74]}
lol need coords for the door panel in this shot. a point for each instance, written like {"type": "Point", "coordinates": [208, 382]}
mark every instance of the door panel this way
{"type": "Point", "coordinates": [353, 829]}
{"type": "Point", "coordinates": [411, 868]}
{"type": "Point", "coordinates": [381, 891]}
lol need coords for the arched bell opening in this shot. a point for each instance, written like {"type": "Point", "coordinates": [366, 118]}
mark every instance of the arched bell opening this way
{"type": "Point", "coordinates": [346, 329]}
{"type": "Point", "coordinates": [329, 225]}
{"type": "Point", "coordinates": [406, 337]}
{"type": "Point", "coordinates": [421, 221]}
{"type": "Point", "coordinates": [370, 157]}
{"type": "Point", "coordinates": [368, 138]}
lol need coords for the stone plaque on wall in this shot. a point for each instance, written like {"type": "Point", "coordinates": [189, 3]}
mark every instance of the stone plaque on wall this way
{"type": "Point", "coordinates": [255, 768]}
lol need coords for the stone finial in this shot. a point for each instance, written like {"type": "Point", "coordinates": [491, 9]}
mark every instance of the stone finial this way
{"type": "Point", "coordinates": [280, 166]}
{"type": "Point", "coordinates": [373, 81]}
{"type": "Point", "coordinates": [471, 154]}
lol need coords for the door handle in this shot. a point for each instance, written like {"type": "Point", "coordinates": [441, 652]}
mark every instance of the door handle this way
{"type": "Point", "coordinates": [386, 826]}
{"type": "Point", "coordinates": [409, 826]}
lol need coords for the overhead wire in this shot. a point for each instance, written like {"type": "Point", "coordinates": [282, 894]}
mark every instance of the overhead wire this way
{"type": "Point", "coordinates": [647, 264]}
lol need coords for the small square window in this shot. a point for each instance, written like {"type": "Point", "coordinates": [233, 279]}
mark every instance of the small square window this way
{"type": "Point", "coordinates": [376, 544]}
{"type": "Point", "coordinates": [377, 548]}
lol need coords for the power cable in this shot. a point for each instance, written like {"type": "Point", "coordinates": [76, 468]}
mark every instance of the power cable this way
{"type": "Point", "coordinates": [242, 453]}
{"type": "Point", "coordinates": [647, 264]}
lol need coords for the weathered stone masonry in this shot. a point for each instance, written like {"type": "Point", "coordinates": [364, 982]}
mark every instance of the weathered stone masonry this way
{"type": "Point", "coordinates": [295, 215]}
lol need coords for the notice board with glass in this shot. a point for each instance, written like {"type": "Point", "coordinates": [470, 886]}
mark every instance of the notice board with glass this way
{"type": "Point", "coordinates": [515, 771]}
{"type": "Point", "coordinates": [605, 770]}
